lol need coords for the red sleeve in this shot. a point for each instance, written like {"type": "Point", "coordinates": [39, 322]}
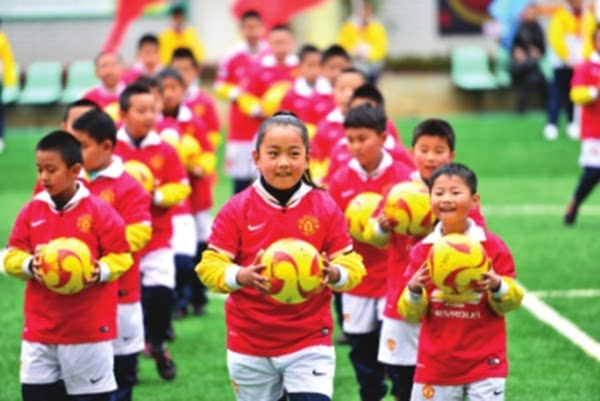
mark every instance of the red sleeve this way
{"type": "Point", "coordinates": [110, 230]}
{"type": "Point", "coordinates": [223, 72]}
{"type": "Point", "coordinates": [135, 204]}
{"type": "Point", "coordinates": [256, 85]}
{"type": "Point", "coordinates": [416, 258]}
{"type": "Point", "coordinates": [211, 117]}
{"type": "Point", "coordinates": [502, 259]}
{"type": "Point", "coordinates": [20, 237]}
{"type": "Point", "coordinates": [337, 238]}
{"type": "Point", "coordinates": [225, 233]}
{"type": "Point", "coordinates": [201, 135]}
{"type": "Point", "coordinates": [392, 130]}
{"type": "Point", "coordinates": [581, 76]}
{"type": "Point", "coordinates": [318, 144]}
{"type": "Point", "coordinates": [334, 189]}
{"type": "Point", "coordinates": [174, 170]}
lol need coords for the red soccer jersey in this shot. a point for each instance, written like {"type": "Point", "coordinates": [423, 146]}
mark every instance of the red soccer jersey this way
{"type": "Point", "coordinates": [323, 102]}
{"type": "Point", "coordinates": [162, 159]}
{"type": "Point", "coordinates": [251, 221]}
{"type": "Point", "coordinates": [588, 74]}
{"type": "Point", "coordinates": [103, 97]}
{"type": "Point", "coordinates": [302, 98]}
{"type": "Point", "coordinates": [89, 315]}
{"type": "Point", "coordinates": [132, 203]}
{"type": "Point", "coordinates": [352, 180]}
{"type": "Point", "coordinates": [203, 106]}
{"type": "Point", "coordinates": [462, 343]}
{"type": "Point", "coordinates": [136, 71]}
{"type": "Point", "coordinates": [235, 70]}
{"type": "Point", "coordinates": [329, 131]}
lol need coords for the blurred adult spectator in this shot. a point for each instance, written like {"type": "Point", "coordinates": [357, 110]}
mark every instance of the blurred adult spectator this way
{"type": "Point", "coordinates": [507, 14]}
{"type": "Point", "coordinates": [365, 39]}
{"type": "Point", "coordinates": [8, 76]}
{"type": "Point", "coordinates": [179, 36]}
{"type": "Point", "coordinates": [527, 51]}
{"type": "Point", "coordinates": [569, 33]}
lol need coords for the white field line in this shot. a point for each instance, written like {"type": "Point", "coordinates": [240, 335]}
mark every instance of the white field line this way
{"type": "Point", "coordinates": [579, 293]}
{"type": "Point", "coordinates": [536, 210]}
{"type": "Point", "coordinates": [546, 314]}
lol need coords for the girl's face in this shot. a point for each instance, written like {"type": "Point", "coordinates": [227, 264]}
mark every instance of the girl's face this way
{"type": "Point", "coordinates": [281, 158]}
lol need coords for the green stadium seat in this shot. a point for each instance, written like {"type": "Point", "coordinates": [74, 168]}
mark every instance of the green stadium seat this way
{"type": "Point", "coordinates": [42, 84]}
{"type": "Point", "coordinates": [10, 94]}
{"type": "Point", "coordinates": [469, 69]}
{"type": "Point", "coordinates": [502, 62]}
{"type": "Point", "coordinates": [81, 76]}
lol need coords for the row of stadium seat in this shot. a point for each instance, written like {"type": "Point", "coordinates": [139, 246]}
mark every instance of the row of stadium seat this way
{"type": "Point", "coordinates": [43, 84]}
{"type": "Point", "coordinates": [470, 70]}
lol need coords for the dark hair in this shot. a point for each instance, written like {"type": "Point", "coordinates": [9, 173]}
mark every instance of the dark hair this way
{"type": "Point", "coordinates": [148, 38]}
{"type": "Point", "coordinates": [79, 103]}
{"type": "Point", "coordinates": [97, 125]}
{"type": "Point", "coordinates": [281, 27]}
{"type": "Point", "coordinates": [350, 70]}
{"type": "Point", "coordinates": [250, 14]}
{"type": "Point", "coordinates": [435, 127]}
{"type": "Point", "coordinates": [458, 170]}
{"type": "Point", "coordinates": [186, 54]}
{"type": "Point", "coordinates": [306, 50]}
{"type": "Point", "coordinates": [171, 73]}
{"type": "Point", "coordinates": [368, 91]}
{"type": "Point", "coordinates": [130, 91]}
{"type": "Point", "coordinates": [366, 116]}
{"type": "Point", "coordinates": [178, 10]}
{"type": "Point", "coordinates": [334, 51]}
{"type": "Point", "coordinates": [287, 118]}
{"type": "Point", "coordinates": [65, 144]}
{"type": "Point", "coordinates": [148, 81]}
{"type": "Point", "coordinates": [101, 54]}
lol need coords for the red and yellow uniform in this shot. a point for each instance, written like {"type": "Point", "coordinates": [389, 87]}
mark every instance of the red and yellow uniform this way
{"type": "Point", "coordinates": [569, 36]}
{"type": "Point", "coordinates": [465, 342]}
{"type": "Point", "coordinates": [369, 41]}
{"type": "Point", "coordinates": [203, 107]}
{"type": "Point", "coordinates": [105, 99]}
{"type": "Point", "coordinates": [584, 91]}
{"type": "Point", "coordinates": [301, 99]}
{"type": "Point", "coordinates": [251, 221]}
{"type": "Point", "coordinates": [89, 315]}
{"type": "Point", "coordinates": [170, 40]}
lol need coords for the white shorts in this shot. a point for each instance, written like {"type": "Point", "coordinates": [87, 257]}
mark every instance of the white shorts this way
{"type": "Point", "coordinates": [158, 268]}
{"type": "Point", "coordinates": [203, 225]}
{"type": "Point", "coordinates": [309, 370]}
{"type": "Point", "coordinates": [85, 368]}
{"type": "Point", "coordinates": [590, 153]}
{"type": "Point", "coordinates": [238, 160]}
{"type": "Point", "coordinates": [491, 389]}
{"type": "Point", "coordinates": [130, 329]}
{"type": "Point", "coordinates": [398, 342]}
{"type": "Point", "coordinates": [184, 240]}
{"type": "Point", "coordinates": [361, 314]}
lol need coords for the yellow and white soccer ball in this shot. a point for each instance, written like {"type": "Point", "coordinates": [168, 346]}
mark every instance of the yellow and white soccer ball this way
{"type": "Point", "coordinates": [456, 263]}
{"type": "Point", "coordinates": [66, 265]}
{"type": "Point", "coordinates": [272, 98]}
{"type": "Point", "coordinates": [141, 173]}
{"type": "Point", "coordinates": [408, 209]}
{"type": "Point", "coordinates": [359, 211]}
{"type": "Point", "coordinates": [294, 268]}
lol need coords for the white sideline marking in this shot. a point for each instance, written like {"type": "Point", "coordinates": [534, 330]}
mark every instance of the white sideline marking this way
{"type": "Point", "coordinates": [536, 210]}
{"type": "Point", "coordinates": [580, 293]}
{"type": "Point", "coordinates": [544, 313]}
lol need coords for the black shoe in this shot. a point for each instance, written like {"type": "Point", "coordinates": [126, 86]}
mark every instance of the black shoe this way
{"type": "Point", "coordinates": [179, 314]}
{"type": "Point", "coordinates": [342, 339]}
{"type": "Point", "coordinates": [571, 214]}
{"type": "Point", "coordinates": [199, 310]}
{"type": "Point", "coordinates": [164, 364]}
{"type": "Point", "coordinates": [170, 334]}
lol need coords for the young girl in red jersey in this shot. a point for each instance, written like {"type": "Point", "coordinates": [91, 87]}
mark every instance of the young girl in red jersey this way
{"type": "Point", "coordinates": [462, 344]}
{"type": "Point", "coordinates": [274, 347]}
{"type": "Point", "coordinates": [370, 169]}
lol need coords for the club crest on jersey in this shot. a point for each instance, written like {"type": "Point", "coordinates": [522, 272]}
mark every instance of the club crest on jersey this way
{"type": "Point", "coordinates": [308, 225]}
{"type": "Point", "coordinates": [84, 223]}
{"type": "Point", "coordinates": [108, 196]}
{"type": "Point", "coordinates": [157, 162]}
{"type": "Point", "coordinates": [391, 344]}
{"type": "Point", "coordinates": [236, 387]}
{"type": "Point", "coordinates": [428, 391]}
{"type": "Point", "coordinates": [199, 109]}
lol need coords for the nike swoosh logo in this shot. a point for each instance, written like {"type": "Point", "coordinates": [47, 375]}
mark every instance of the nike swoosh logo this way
{"type": "Point", "coordinates": [94, 381]}
{"type": "Point", "coordinates": [317, 373]}
{"type": "Point", "coordinates": [254, 228]}
{"type": "Point", "coordinates": [37, 223]}
{"type": "Point", "coordinates": [126, 338]}
{"type": "Point", "coordinates": [496, 392]}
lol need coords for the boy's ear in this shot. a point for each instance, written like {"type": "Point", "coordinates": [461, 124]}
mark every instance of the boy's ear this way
{"type": "Point", "coordinates": [476, 198]}
{"type": "Point", "coordinates": [107, 145]}
{"type": "Point", "coordinates": [75, 169]}
{"type": "Point", "coordinates": [255, 158]}
{"type": "Point", "coordinates": [452, 156]}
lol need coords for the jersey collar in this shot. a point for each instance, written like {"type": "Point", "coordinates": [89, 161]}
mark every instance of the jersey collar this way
{"type": "Point", "coordinates": [81, 193]}
{"type": "Point", "coordinates": [384, 164]}
{"type": "Point", "coordinates": [269, 199]}
{"type": "Point", "coordinates": [291, 60]}
{"type": "Point", "coordinates": [474, 232]}
{"type": "Point", "coordinates": [151, 139]}
{"type": "Point", "coordinates": [323, 87]}
{"type": "Point", "coordinates": [595, 57]}
{"type": "Point", "coordinates": [335, 116]}
{"type": "Point", "coordinates": [114, 170]}
{"type": "Point", "coordinates": [302, 87]}
{"type": "Point", "coordinates": [184, 114]}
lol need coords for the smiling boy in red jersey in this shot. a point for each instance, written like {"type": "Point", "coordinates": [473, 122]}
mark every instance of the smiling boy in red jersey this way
{"type": "Point", "coordinates": [462, 342]}
{"type": "Point", "coordinates": [66, 346]}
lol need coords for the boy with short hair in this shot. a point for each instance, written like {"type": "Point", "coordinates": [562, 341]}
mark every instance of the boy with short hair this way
{"type": "Point", "coordinates": [460, 357]}
{"type": "Point", "coordinates": [179, 36]}
{"type": "Point", "coordinates": [67, 339]}
{"type": "Point", "coordinates": [433, 145]}
{"type": "Point", "coordinates": [97, 134]}
{"type": "Point", "coordinates": [137, 140]}
{"type": "Point", "coordinates": [200, 102]}
{"type": "Point", "coordinates": [371, 169]}
{"type": "Point", "coordinates": [109, 71]}
{"type": "Point", "coordinates": [75, 110]}
{"type": "Point", "coordinates": [333, 61]}
{"type": "Point", "coordinates": [148, 59]}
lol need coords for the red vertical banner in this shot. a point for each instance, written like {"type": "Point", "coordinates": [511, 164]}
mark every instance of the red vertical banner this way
{"type": "Point", "coordinates": [273, 12]}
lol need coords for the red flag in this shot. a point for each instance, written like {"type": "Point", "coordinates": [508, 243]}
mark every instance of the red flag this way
{"type": "Point", "coordinates": [273, 12]}
{"type": "Point", "coordinates": [127, 12]}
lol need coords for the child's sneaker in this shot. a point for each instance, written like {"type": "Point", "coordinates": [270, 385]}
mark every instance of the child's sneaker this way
{"type": "Point", "coordinates": [551, 132]}
{"type": "Point", "coordinates": [571, 214]}
{"type": "Point", "coordinates": [164, 364]}
{"type": "Point", "coordinates": [170, 334]}
{"type": "Point", "coordinates": [573, 131]}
